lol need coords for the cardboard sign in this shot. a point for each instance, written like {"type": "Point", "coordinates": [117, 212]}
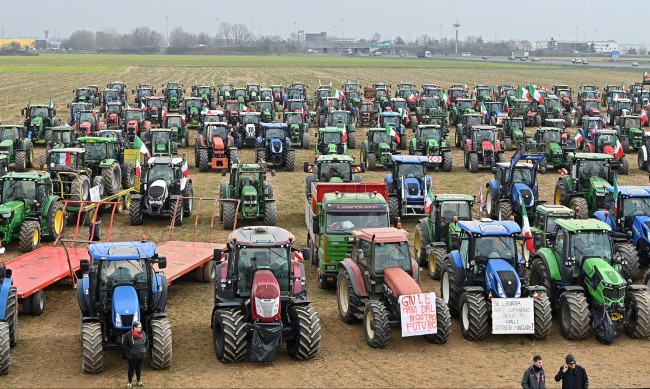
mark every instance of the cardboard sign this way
{"type": "Point", "coordinates": [94, 193]}
{"type": "Point", "coordinates": [513, 316]}
{"type": "Point", "coordinates": [418, 314]}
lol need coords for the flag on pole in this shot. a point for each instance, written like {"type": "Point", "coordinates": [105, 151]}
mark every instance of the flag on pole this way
{"type": "Point", "coordinates": [51, 103]}
{"type": "Point", "coordinates": [185, 169]}
{"type": "Point", "coordinates": [645, 74]}
{"type": "Point", "coordinates": [164, 113]}
{"type": "Point", "coordinates": [483, 109]}
{"type": "Point", "coordinates": [474, 97]}
{"type": "Point", "coordinates": [506, 106]}
{"type": "Point", "coordinates": [444, 97]}
{"type": "Point", "coordinates": [138, 144]}
{"type": "Point", "coordinates": [523, 93]}
{"type": "Point", "coordinates": [126, 105]}
{"type": "Point", "coordinates": [578, 138]}
{"type": "Point", "coordinates": [644, 116]}
{"type": "Point", "coordinates": [428, 200]}
{"type": "Point", "coordinates": [390, 131]}
{"type": "Point", "coordinates": [525, 230]}
{"type": "Point", "coordinates": [138, 169]}
{"type": "Point", "coordinates": [532, 90]}
{"type": "Point", "coordinates": [481, 203]}
{"type": "Point", "coordinates": [337, 93]}
{"type": "Point", "coordinates": [618, 150]}
{"type": "Point", "coordinates": [615, 195]}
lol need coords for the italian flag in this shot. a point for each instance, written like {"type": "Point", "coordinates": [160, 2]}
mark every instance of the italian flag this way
{"type": "Point", "coordinates": [444, 97]}
{"type": "Point", "coordinates": [645, 74]}
{"type": "Point", "coordinates": [618, 150]}
{"type": "Point", "coordinates": [185, 169]}
{"type": "Point", "coordinates": [615, 195]}
{"type": "Point", "coordinates": [391, 132]}
{"type": "Point", "coordinates": [138, 168]}
{"type": "Point", "coordinates": [578, 138]}
{"type": "Point", "coordinates": [644, 116]}
{"type": "Point", "coordinates": [337, 93]}
{"type": "Point", "coordinates": [63, 159]}
{"type": "Point", "coordinates": [138, 144]}
{"type": "Point", "coordinates": [532, 90]}
{"type": "Point", "coordinates": [474, 97]}
{"type": "Point", "coordinates": [525, 230]}
{"type": "Point", "coordinates": [523, 93]}
{"type": "Point", "coordinates": [412, 97]}
{"type": "Point", "coordinates": [428, 200]}
{"type": "Point", "coordinates": [506, 106]}
{"type": "Point", "coordinates": [483, 109]}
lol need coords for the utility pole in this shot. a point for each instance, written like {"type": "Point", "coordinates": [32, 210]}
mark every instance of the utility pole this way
{"type": "Point", "coordinates": [341, 28]}
{"type": "Point", "coordinates": [167, 20]}
{"type": "Point", "coordinates": [456, 25]}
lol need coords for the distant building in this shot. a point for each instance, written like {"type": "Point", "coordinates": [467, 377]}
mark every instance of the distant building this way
{"type": "Point", "coordinates": [599, 46]}
{"type": "Point", "coordinates": [23, 42]}
{"type": "Point", "coordinates": [345, 40]}
{"type": "Point", "coordinates": [301, 36]}
{"type": "Point", "coordinates": [314, 38]}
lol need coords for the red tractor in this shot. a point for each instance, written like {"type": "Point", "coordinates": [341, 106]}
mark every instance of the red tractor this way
{"type": "Point", "coordinates": [153, 109]}
{"type": "Point", "coordinates": [260, 298]}
{"type": "Point", "coordinates": [588, 107]}
{"type": "Point", "coordinates": [87, 123]}
{"type": "Point", "coordinates": [215, 148]}
{"type": "Point", "coordinates": [232, 109]}
{"type": "Point", "coordinates": [135, 123]}
{"type": "Point", "coordinates": [373, 278]}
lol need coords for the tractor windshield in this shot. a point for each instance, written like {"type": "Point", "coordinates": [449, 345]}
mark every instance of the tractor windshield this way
{"type": "Point", "coordinates": [380, 137]}
{"type": "Point", "coordinates": [134, 115]}
{"type": "Point", "coordinates": [339, 117]}
{"type": "Point", "coordinates": [204, 90]}
{"type": "Point", "coordinates": [154, 103]}
{"type": "Point", "coordinates": [624, 105]}
{"type": "Point", "coordinates": [591, 244]}
{"type": "Point", "coordinates": [483, 92]}
{"type": "Point", "coordinates": [393, 121]}
{"type": "Point", "coordinates": [431, 103]}
{"type": "Point", "coordinates": [636, 206]}
{"type": "Point", "coordinates": [225, 88]}
{"type": "Point", "coordinates": [552, 136]}
{"type": "Point", "coordinates": [329, 170]}
{"type": "Point", "coordinates": [83, 92]}
{"type": "Point", "coordinates": [264, 106]}
{"type": "Point", "coordinates": [275, 259]}
{"type": "Point", "coordinates": [87, 117]}
{"type": "Point", "coordinates": [41, 112]}
{"type": "Point", "coordinates": [174, 121]}
{"type": "Point", "coordinates": [594, 124]}
{"type": "Point", "coordinates": [494, 107]}
{"type": "Point", "coordinates": [474, 120]}
{"type": "Point", "coordinates": [160, 172]}
{"type": "Point", "coordinates": [449, 209]}
{"type": "Point", "coordinates": [592, 168]}
{"type": "Point", "coordinates": [523, 175]}
{"type": "Point", "coordinates": [294, 119]}
{"type": "Point", "coordinates": [606, 140]}
{"type": "Point", "coordinates": [332, 137]}
{"type": "Point", "coordinates": [430, 133]}
{"type": "Point", "coordinates": [485, 134]}
{"type": "Point", "coordinates": [98, 151]}
{"type": "Point", "coordinates": [345, 222]}
{"type": "Point", "coordinates": [233, 106]}
{"type": "Point", "coordinates": [64, 137]}
{"type": "Point", "coordinates": [367, 107]}
{"type": "Point", "coordinates": [18, 190]}
{"type": "Point", "coordinates": [591, 104]}
{"type": "Point", "coordinates": [160, 136]}
{"type": "Point", "coordinates": [9, 133]}
{"type": "Point", "coordinates": [552, 103]}
{"type": "Point", "coordinates": [114, 108]}
{"type": "Point", "coordinates": [115, 273]}
{"type": "Point", "coordinates": [551, 226]}
{"type": "Point", "coordinates": [65, 161]}
{"type": "Point", "coordinates": [399, 104]}
{"type": "Point", "coordinates": [275, 133]}
{"type": "Point", "coordinates": [110, 95]}
{"type": "Point", "coordinates": [392, 255]}
{"type": "Point", "coordinates": [193, 103]}
{"type": "Point", "coordinates": [463, 104]}
{"type": "Point", "coordinates": [250, 119]}
{"type": "Point", "coordinates": [410, 169]}
{"type": "Point", "coordinates": [145, 92]}
{"type": "Point", "coordinates": [632, 123]}
{"type": "Point", "coordinates": [495, 247]}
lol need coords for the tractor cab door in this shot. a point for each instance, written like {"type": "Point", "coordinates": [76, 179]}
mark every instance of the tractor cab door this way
{"type": "Point", "coordinates": [561, 249]}
{"type": "Point", "coordinates": [365, 261]}
{"type": "Point", "coordinates": [43, 189]}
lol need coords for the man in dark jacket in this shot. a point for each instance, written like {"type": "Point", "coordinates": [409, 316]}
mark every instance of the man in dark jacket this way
{"type": "Point", "coordinates": [134, 346]}
{"type": "Point", "coordinates": [534, 377]}
{"type": "Point", "coordinates": [573, 376]}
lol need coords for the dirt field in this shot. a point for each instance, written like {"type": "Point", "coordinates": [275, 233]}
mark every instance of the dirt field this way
{"type": "Point", "coordinates": [48, 353]}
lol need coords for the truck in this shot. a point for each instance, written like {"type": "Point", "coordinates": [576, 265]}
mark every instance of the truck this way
{"type": "Point", "coordinates": [423, 54]}
{"type": "Point", "coordinates": [332, 212]}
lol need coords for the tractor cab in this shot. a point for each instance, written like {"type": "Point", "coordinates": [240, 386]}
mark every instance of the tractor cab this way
{"type": "Point", "coordinates": [87, 123]}
{"type": "Point", "coordinates": [550, 135]}
{"type": "Point", "coordinates": [556, 123]}
{"type": "Point", "coordinates": [379, 249]}
{"type": "Point", "coordinates": [204, 92]}
{"type": "Point", "coordinates": [162, 143]}
{"type": "Point", "coordinates": [266, 94]}
{"type": "Point", "coordinates": [409, 186]}
{"type": "Point", "coordinates": [544, 227]}
{"type": "Point", "coordinates": [121, 88]}
{"type": "Point", "coordinates": [113, 114]}
{"type": "Point", "coordinates": [240, 95]}
{"type": "Point", "coordinates": [266, 110]}
{"type": "Point", "coordinates": [381, 141]}
{"type": "Point", "coordinates": [83, 95]}
{"type": "Point", "coordinates": [295, 93]}
{"type": "Point", "coordinates": [340, 119]}
{"type": "Point", "coordinates": [176, 123]}
{"type": "Point", "coordinates": [225, 92]}
{"type": "Point", "coordinates": [430, 135]}
{"type": "Point", "coordinates": [62, 137]}
{"type": "Point", "coordinates": [252, 92]}
{"type": "Point", "coordinates": [330, 141]}
{"type": "Point", "coordinates": [141, 92]}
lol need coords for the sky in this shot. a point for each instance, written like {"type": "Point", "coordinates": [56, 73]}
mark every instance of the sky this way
{"type": "Point", "coordinates": [491, 19]}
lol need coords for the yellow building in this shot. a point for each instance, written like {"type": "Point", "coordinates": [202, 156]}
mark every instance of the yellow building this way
{"type": "Point", "coordinates": [23, 41]}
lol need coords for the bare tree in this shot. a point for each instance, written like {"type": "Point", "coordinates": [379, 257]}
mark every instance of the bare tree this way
{"type": "Point", "coordinates": [375, 37]}
{"type": "Point", "coordinates": [399, 41]}
{"type": "Point", "coordinates": [225, 33]}
{"type": "Point", "coordinates": [181, 38]}
{"type": "Point", "coordinates": [108, 39]}
{"type": "Point", "coordinates": [241, 35]}
{"type": "Point", "coordinates": [203, 38]}
{"type": "Point", "coordinates": [146, 37]}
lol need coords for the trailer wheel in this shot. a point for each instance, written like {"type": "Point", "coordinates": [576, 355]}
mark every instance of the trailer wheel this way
{"type": "Point", "coordinates": [228, 215]}
{"type": "Point", "coordinates": [92, 353]}
{"type": "Point", "coordinates": [543, 313]}
{"type": "Point", "coordinates": [30, 235]}
{"type": "Point", "coordinates": [573, 314]}
{"type": "Point", "coordinates": [474, 316]}
{"type": "Point", "coordinates": [229, 335]}
{"type": "Point", "coordinates": [11, 315]}
{"type": "Point", "coordinates": [443, 318]}
{"type": "Point", "coordinates": [161, 343]}
{"type": "Point", "coordinates": [306, 342]}
{"type": "Point", "coordinates": [37, 303]}
{"type": "Point", "coordinates": [637, 320]}
{"type": "Point", "coordinates": [376, 326]}
{"type": "Point", "coordinates": [4, 347]}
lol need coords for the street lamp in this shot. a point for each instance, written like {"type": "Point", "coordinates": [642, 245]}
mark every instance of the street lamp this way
{"type": "Point", "coordinates": [341, 28]}
{"type": "Point", "coordinates": [167, 20]}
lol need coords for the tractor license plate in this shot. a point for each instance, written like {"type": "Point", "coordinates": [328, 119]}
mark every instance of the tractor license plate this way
{"type": "Point", "coordinates": [435, 159]}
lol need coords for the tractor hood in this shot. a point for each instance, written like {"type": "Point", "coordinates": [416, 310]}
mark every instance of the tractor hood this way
{"type": "Point", "coordinates": [487, 145]}
{"type": "Point", "coordinates": [607, 149]}
{"type": "Point", "coordinates": [555, 148]}
{"type": "Point", "coordinates": [277, 146]}
{"type": "Point", "coordinates": [523, 194]}
{"type": "Point", "coordinates": [383, 147]}
{"type": "Point", "coordinates": [265, 295]}
{"type": "Point", "coordinates": [501, 280]}
{"type": "Point", "coordinates": [331, 148]}
{"type": "Point", "coordinates": [161, 148]}
{"type": "Point", "coordinates": [400, 282]}
{"type": "Point", "coordinates": [413, 188]}
{"type": "Point", "coordinates": [10, 207]}
{"type": "Point", "coordinates": [598, 184]}
{"type": "Point", "coordinates": [249, 190]}
{"type": "Point", "coordinates": [85, 127]}
{"type": "Point", "coordinates": [36, 122]}
{"type": "Point", "coordinates": [6, 145]}
{"type": "Point", "coordinates": [603, 282]}
{"type": "Point", "coordinates": [217, 143]}
{"type": "Point", "coordinates": [126, 306]}
{"type": "Point", "coordinates": [641, 226]}
{"type": "Point", "coordinates": [250, 130]}
{"type": "Point", "coordinates": [432, 143]}
{"type": "Point", "coordinates": [157, 192]}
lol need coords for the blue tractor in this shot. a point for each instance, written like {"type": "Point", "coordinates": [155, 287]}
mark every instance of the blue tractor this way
{"type": "Point", "coordinates": [274, 146]}
{"type": "Point", "coordinates": [409, 186]}
{"type": "Point", "coordinates": [119, 286]}
{"type": "Point", "coordinates": [514, 186]}
{"type": "Point", "coordinates": [487, 266]}
{"type": "Point", "coordinates": [8, 315]}
{"type": "Point", "coordinates": [393, 120]}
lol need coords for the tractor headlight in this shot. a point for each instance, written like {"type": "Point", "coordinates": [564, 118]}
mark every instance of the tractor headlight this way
{"type": "Point", "coordinates": [6, 215]}
{"type": "Point", "coordinates": [267, 307]}
{"type": "Point", "coordinates": [330, 267]}
{"type": "Point", "coordinates": [500, 291]}
{"type": "Point", "coordinates": [136, 316]}
{"type": "Point", "coordinates": [118, 320]}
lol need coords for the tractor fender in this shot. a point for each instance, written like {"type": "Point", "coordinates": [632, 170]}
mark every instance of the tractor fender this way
{"type": "Point", "coordinates": [50, 200]}
{"type": "Point", "coordinates": [4, 294]}
{"type": "Point", "coordinates": [136, 197]}
{"type": "Point", "coordinates": [640, 229]}
{"type": "Point", "coordinates": [529, 290]}
{"type": "Point", "coordinates": [426, 228]}
{"type": "Point", "coordinates": [458, 267]}
{"type": "Point", "coordinates": [416, 271]}
{"type": "Point", "coordinates": [106, 163]}
{"type": "Point", "coordinates": [299, 286]}
{"type": "Point", "coordinates": [631, 287]}
{"type": "Point", "coordinates": [162, 295]}
{"type": "Point", "coordinates": [90, 319]}
{"type": "Point", "coordinates": [493, 185]}
{"type": "Point", "coordinates": [548, 257]}
{"type": "Point", "coordinates": [225, 190]}
{"type": "Point", "coordinates": [100, 126]}
{"type": "Point", "coordinates": [356, 278]}
{"type": "Point", "coordinates": [389, 180]}
{"type": "Point", "coordinates": [26, 143]}
{"type": "Point", "coordinates": [82, 297]}
{"type": "Point", "coordinates": [414, 144]}
{"type": "Point", "coordinates": [147, 125]}
{"type": "Point", "coordinates": [202, 140]}
{"type": "Point", "coordinates": [473, 289]}
{"type": "Point", "coordinates": [605, 216]}
{"type": "Point", "coordinates": [365, 145]}
{"type": "Point", "coordinates": [571, 288]}
{"type": "Point", "coordinates": [224, 305]}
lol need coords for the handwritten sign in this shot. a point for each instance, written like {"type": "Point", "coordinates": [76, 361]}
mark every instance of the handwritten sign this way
{"type": "Point", "coordinates": [513, 316]}
{"type": "Point", "coordinates": [418, 314]}
{"type": "Point", "coordinates": [94, 193]}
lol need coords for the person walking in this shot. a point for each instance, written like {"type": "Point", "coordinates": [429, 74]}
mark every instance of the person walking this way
{"type": "Point", "coordinates": [573, 376]}
{"type": "Point", "coordinates": [534, 377]}
{"type": "Point", "coordinates": [134, 346]}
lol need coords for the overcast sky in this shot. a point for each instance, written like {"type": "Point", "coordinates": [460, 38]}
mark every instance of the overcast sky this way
{"type": "Point", "coordinates": [491, 19]}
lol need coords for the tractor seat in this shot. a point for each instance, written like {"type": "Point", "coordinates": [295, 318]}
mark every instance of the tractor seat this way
{"type": "Point", "coordinates": [262, 259]}
{"type": "Point", "coordinates": [400, 282]}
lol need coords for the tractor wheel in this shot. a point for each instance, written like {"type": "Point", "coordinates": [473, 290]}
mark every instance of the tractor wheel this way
{"type": "Point", "coordinates": [474, 316]}
{"type": "Point", "coordinates": [538, 121]}
{"type": "Point", "coordinates": [98, 181]}
{"type": "Point", "coordinates": [573, 314]}
{"type": "Point", "coordinates": [55, 221]}
{"type": "Point", "coordinates": [393, 208]}
{"type": "Point", "coordinates": [637, 314]}
{"type": "Point", "coordinates": [92, 353]}
{"type": "Point", "coordinates": [560, 196]}
{"type": "Point", "coordinates": [161, 343]}
{"type": "Point", "coordinates": [646, 278]}
{"type": "Point", "coordinates": [473, 163]}
{"type": "Point", "coordinates": [306, 333]}
{"type": "Point", "coordinates": [135, 213]}
{"type": "Point", "coordinates": [624, 165]}
{"type": "Point", "coordinates": [490, 209]}
{"type": "Point", "coordinates": [11, 315]}
{"type": "Point", "coordinates": [580, 206]}
{"type": "Point", "coordinates": [505, 210]}
{"type": "Point", "coordinates": [539, 275]}
{"type": "Point", "coordinates": [641, 161]}
{"type": "Point", "coordinates": [447, 161]}
{"type": "Point", "coordinates": [508, 143]}
{"type": "Point", "coordinates": [260, 155]}
{"type": "Point", "coordinates": [352, 140]}
{"type": "Point", "coordinates": [567, 121]}
{"type": "Point", "coordinates": [308, 181]}
{"type": "Point", "coordinates": [188, 203]}
{"type": "Point", "coordinates": [196, 154]}
{"type": "Point", "coordinates": [30, 155]}
{"type": "Point", "coordinates": [543, 165]}
{"type": "Point", "coordinates": [436, 259]}
{"type": "Point", "coordinates": [630, 267]}
{"type": "Point", "coordinates": [43, 161]}
{"type": "Point", "coordinates": [30, 235]}
{"type": "Point", "coordinates": [376, 326]}
{"type": "Point", "coordinates": [349, 303]}
{"type": "Point", "coordinates": [229, 335]}
{"type": "Point", "coordinates": [501, 157]}
{"type": "Point", "coordinates": [543, 316]}
{"type": "Point", "coordinates": [128, 175]}
{"type": "Point", "coordinates": [625, 143]}
{"type": "Point", "coordinates": [37, 303]}
{"type": "Point", "coordinates": [420, 245]}
{"type": "Point", "coordinates": [371, 160]}
{"type": "Point", "coordinates": [204, 273]}
{"type": "Point", "coordinates": [49, 135]}
{"type": "Point", "coordinates": [403, 141]}
{"type": "Point", "coordinates": [112, 179]}
{"type": "Point", "coordinates": [449, 290]}
{"type": "Point", "coordinates": [21, 161]}
{"type": "Point", "coordinates": [177, 213]}
{"type": "Point", "coordinates": [306, 139]}
{"type": "Point", "coordinates": [204, 164]}
{"type": "Point", "coordinates": [290, 160]}
{"type": "Point", "coordinates": [4, 347]}
{"type": "Point", "coordinates": [443, 319]}
{"type": "Point", "coordinates": [234, 156]}
{"type": "Point", "coordinates": [270, 213]}
{"type": "Point", "coordinates": [229, 214]}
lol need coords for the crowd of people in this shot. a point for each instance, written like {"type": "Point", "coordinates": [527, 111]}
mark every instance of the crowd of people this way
{"type": "Point", "coordinates": [572, 375]}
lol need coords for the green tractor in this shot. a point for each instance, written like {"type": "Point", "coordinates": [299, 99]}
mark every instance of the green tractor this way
{"type": "Point", "coordinates": [62, 137]}
{"type": "Point", "coordinates": [247, 184]}
{"type": "Point", "coordinates": [29, 210]}
{"type": "Point", "coordinates": [584, 188]}
{"type": "Point", "coordinates": [513, 132]}
{"type": "Point", "coordinates": [464, 126]}
{"type": "Point", "coordinates": [552, 109]}
{"type": "Point", "coordinates": [191, 107]}
{"type": "Point", "coordinates": [459, 108]}
{"type": "Point", "coordinates": [556, 146]}
{"type": "Point", "coordinates": [176, 122]}
{"type": "Point", "coordinates": [431, 140]}
{"type": "Point", "coordinates": [438, 233]}
{"type": "Point", "coordinates": [428, 108]}
{"type": "Point", "coordinates": [378, 148]}
{"type": "Point", "coordinates": [332, 168]}
{"type": "Point", "coordinates": [581, 271]}
{"type": "Point", "coordinates": [544, 227]}
{"type": "Point", "coordinates": [629, 132]}
{"type": "Point", "coordinates": [266, 110]}
{"type": "Point", "coordinates": [104, 157]}
{"type": "Point", "coordinates": [346, 121]}
{"type": "Point", "coordinates": [225, 92]}
{"type": "Point", "coordinates": [162, 143]}
{"type": "Point", "coordinates": [331, 140]}
{"type": "Point", "coordinates": [205, 93]}
{"type": "Point", "coordinates": [298, 129]}
{"type": "Point", "coordinates": [17, 148]}
{"type": "Point", "coordinates": [38, 119]}
{"type": "Point", "coordinates": [173, 94]}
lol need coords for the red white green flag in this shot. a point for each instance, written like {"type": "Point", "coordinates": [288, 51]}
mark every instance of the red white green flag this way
{"type": "Point", "coordinates": [525, 230]}
{"type": "Point", "coordinates": [523, 93]}
{"type": "Point", "coordinates": [428, 201]}
{"type": "Point", "coordinates": [138, 144]}
{"type": "Point", "coordinates": [645, 74]}
{"type": "Point", "coordinates": [532, 90]}
{"type": "Point", "coordinates": [64, 159]}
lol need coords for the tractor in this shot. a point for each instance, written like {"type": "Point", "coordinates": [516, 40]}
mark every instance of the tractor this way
{"type": "Point", "coordinates": [513, 132]}
{"type": "Point", "coordinates": [544, 227]}
{"type": "Point", "coordinates": [465, 125]}
{"type": "Point", "coordinates": [514, 187]}
{"type": "Point", "coordinates": [552, 108]}
{"type": "Point", "coordinates": [215, 148]}
{"type": "Point", "coordinates": [494, 114]}
{"type": "Point", "coordinates": [588, 107]}
{"type": "Point", "coordinates": [482, 148]}
{"type": "Point", "coordinates": [487, 266]}
{"type": "Point", "coordinates": [104, 157]}
{"type": "Point", "coordinates": [584, 188]}
{"type": "Point", "coordinates": [379, 147]}
{"type": "Point", "coordinates": [191, 107]}
{"type": "Point", "coordinates": [431, 141]}
{"type": "Point", "coordinates": [392, 120]}
{"type": "Point", "coordinates": [274, 146]}
{"type": "Point", "coordinates": [331, 140]}
{"type": "Point", "coordinates": [606, 142]}
{"type": "Point", "coordinates": [18, 149]}
{"type": "Point", "coordinates": [332, 168]}
{"type": "Point", "coordinates": [87, 123]}
{"type": "Point", "coordinates": [177, 124]}
{"type": "Point", "coordinates": [438, 233]}
{"type": "Point", "coordinates": [119, 285]}
{"type": "Point", "coordinates": [141, 92]}
{"type": "Point", "coordinates": [8, 315]}
{"type": "Point", "coordinates": [643, 155]}
{"type": "Point", "coordinates": [320, 95]}
{"type": "Point", "coordinates": [428, 108]}
{"type": "Point", "coordinates": [618, 108]}
{"type": "Point", "coordinates": [30, 211]}
{"type": "Point", "coordinates": [224, 93]}
{"type": "Point", "coordinates": [206, 93]}
{"type": "Point", "coordinates": [37, 120]}
{"type": "Point", "coordinates": [266, 111]}
{"type": "Point", "coordinates": [555, 123]}
{"type": "Point", "coordinates": [259, 267]}
{"type": "Point", "coordinates": [459, 108]}
{"type": "Point", "coordinates": [114, 115]}
{"type": "Point", "coordinates": [629, 132]}
{"type": "Point", "coordinates": [162, 185]}
{"type": "Point", "coordinates": [121, 89]}
{"type": "Point", "coordinates": [555, 144]}
{"type": "Point", "coordinates": [409, 186]}
{"type": "Point", "coordinates": [248, 128]}
{"type": "Point", "coordinates": [400, 106]}
{"type": "Point", "coordinates": [83, 95]}
{"type": "Point", "coordinates": [108, 96]}
{"type": "Point", "coordinates": [456, 93]}
{"type": "Point", "coordinates": [298, 129]}
{"type": "Point", "coordinates": [240, 95]}
{"type": "Point", "coordinates": [247, 184]}
{"type": "Point", "coordinates": [252, 93]}
{"type": "Point", "coordinates": [346, 121]}
{"type": "Point", "coordinates": [522, 108]}
{"type": "Point", "coordinates": [279, 94]}
{"type": "Point", "coordinates": [482, 93]}
{"type": "Point", "coordinates": [372, 279]}
{"type": "Point", "coordinates": [62, 137]}
{"type": "Point", "coordinates": [75, 108]}
{"type": "Point", "coordinates": [368, 112]}
{"type": "Point", "coordinates": [153, 109]}
{"type": "Point", "coordinates": [581, 272]}
{"type": "Point", "coordinates": [564, 93]}
{"type": "Point", "coordinates": [173, 94]}
{"type": "Point", "coordinates": [162, 143]}
{"type": "Point", "coordinates": [135, 123]}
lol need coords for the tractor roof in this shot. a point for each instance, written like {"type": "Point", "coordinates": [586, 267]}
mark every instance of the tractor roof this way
{"type": "Point", "coordinates": [329, 129]}
{"type": "Point", "coordinates": [551, 120]}
{"type": "Point", "coordinates": [121, 251]}
{"type": "Point", "coordinates": [390, 114]}
{"type": "Point", "coordinates": [248, 166]}
{"type": "Point", "coordinates": [489, 227]}
{"type": "Point", "coordinates": [519, 165]}
{"type": "Point", "coordinates": [410, 159]}
{"type": "Point", "coordinates": [453, 197]}
{"type": "Point", "coordinates": [352, 198]}
{"type": "Point", "coordinates": [217, 124]}
{"type": "Point", "coordinates": [162, 129]}
{"type": "Point", "coordinates": [60, 128]}
{"type": "Point", "coordinates": [607, 132]}
{"type": "Point", "coordinates": [165, 161]}
{"type": "Point", "coordinates": [630, 117]}
{"type": "Point", "coordinates": [555, 210]}
{"type": "Point", "coordinates": [253, 113]}
{"type": "Point", "coordinates": [261, 236]}
{"type": "Point", "coordinates": [473, 114]}
{"type": "Point", "coordinates": [14, 126]}
{"type": "Point", "coordinates": [631, 190]}
{"type": "Point", "coordinates": [623, 101]}
{"type": "Point", "coordinates": [334, 158]}
{"type": "Point", "coordinates": [544, 129]}
{"type": "Point", "coordinates": [274, 125]}
{"type": "Point", "coordinates": [73, 150]}
{"type": "Point", "coordinates": [33, 175]}
{"type": "Point", "coordinates": [382, 235]}
{"type": "Point", "coordinates": [592, 118]}
{"type": "Point", "coordinates": [484, 127]}
{"type": "Point", "coordinates": [577, 225]}
{"type": "Point", "coordinates": [95, 139]}
{"type": "Point", "coordinates": [592, 156]}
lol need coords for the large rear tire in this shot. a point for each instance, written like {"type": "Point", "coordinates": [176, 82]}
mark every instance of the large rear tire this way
{"type": "Point", "coordinates": [474, 316]}
{"type": "Point", "coordinates": [80, 189]}
{"type": "Point", "coordinates": [543, 316]}
{"type": "Point", "coordinates": [436, 260]}
{"type": "Point", "coordinates": [135, 213]}
{"type": "Point", "coordinates": [539, 275]}
{"type": "Point", "coordinates": [573, 315]}
{"type": "Point", "coordinates": [229, 214]}
{"type": "Point", "coordinates": [30, 235]}
{"type": "Point", "coordinates": [270, 213]}
{"type": "Point", "coordinates": [421, 243]}
{"type": "Point", "coordinates": [229, 335]}
{"type": "Point", "coordinates": [55, 221]}
{"type": "Point", "coordinates": [449, 290]}
{"type": "Point", "coordinates": [637, 314]}
{"type": "Point", "coordinates": [204, 164]}
{"type": "Point", "coordinates": [112, 176]}
{"type": "Point", "coordinates": [630, 267]}
{"type": "Point", "coordinates": [580, 206]}
{"type": "Point", "coordinates": [307, 333]}
{"type": "Point", "coordinates": [4, 348]}
{"type": "Point", "coordinates": [161, 343]}
{"type": "Point", "coordinates": [443, 319]}
{"type": "Point", "coordinates": [376, 327]}
{"type": "Point", "coordinates": [11, 315]}
{"type": "Point", "coordinates": [92, 353]}
{"type": "Point", "coordinates": [349, 303]}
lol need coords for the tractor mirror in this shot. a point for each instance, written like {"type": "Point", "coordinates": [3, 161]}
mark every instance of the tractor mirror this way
{"type": "Point", "coordinates": [8, 273]}
{"type": "Point", "coordinates": [53, 111]}
{"type": "Point", "coordinates": [363, 167]}
{"type": "Point", "coordinates": [216, 255]}
{"type": "Point", "coordinates": [305, 167]}
{"type": "Point", "coordinates": [223, 173]}
{"type": "Point", "coordinates": [314, 225]}
{"type": "Point", "coordinates": [273, 173]}
{"type": "Point", "coordinates": [22, 112]}
{"type": "Point", "coordinates": [359, 254]}
{"type": "Point", "coordinates": [162, 262]}
{"type": "Point", "coordinates": [84, 265]}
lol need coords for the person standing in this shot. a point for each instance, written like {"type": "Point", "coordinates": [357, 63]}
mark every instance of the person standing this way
{"type": "Point", "coordinates": [134, 346]}
{"type": "Point", "coordinates": [534, 377]}
{"type": "Point", "coordinates": [573, 376]}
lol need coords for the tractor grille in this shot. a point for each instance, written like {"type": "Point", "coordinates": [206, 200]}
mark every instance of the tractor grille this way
{"type": "Point", "coordinates": [413, 188]}
{"type": "Point", "coordinates": [488, 157]}
{"type": "Point", "coordinates": [276, 147]}
{"type": "Point", "coordinates": [127, 320]}
{"type": "Point", "coordinates": [509, 282]}
{"type": "Point", "coordinates": [156, 192]}
{"type": "Point", "coordinates": [613, 294]}
{"type": "Point", "coordinates": [526, 196]}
